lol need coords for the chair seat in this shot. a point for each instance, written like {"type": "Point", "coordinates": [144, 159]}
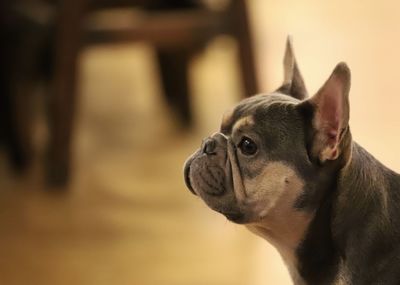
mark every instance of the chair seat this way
{"type": "Point", "coordinates": [189, 27]}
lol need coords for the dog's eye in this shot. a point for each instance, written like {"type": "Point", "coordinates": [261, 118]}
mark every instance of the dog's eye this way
{"type": "Point", "coordinates": [247, 146]}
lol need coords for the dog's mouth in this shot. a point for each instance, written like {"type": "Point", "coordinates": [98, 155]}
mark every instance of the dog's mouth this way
{"type": "Point", "coordinates": [186, 171]}
{"type": "Point", "coordinates": [236, 217]}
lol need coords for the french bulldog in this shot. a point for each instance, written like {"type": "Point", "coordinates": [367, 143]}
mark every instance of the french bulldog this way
{"type": "Point", "coordinates": [285, 166]}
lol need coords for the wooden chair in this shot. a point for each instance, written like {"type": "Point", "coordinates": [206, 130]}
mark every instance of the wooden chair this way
{"type": "Point", "coordinates": [176, 32]}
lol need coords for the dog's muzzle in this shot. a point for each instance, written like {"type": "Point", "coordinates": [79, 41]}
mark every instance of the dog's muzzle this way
{"type": "Point", "coordinates": [210, 173]}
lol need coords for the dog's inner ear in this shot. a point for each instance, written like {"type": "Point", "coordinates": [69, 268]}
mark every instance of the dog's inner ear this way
{"type": "Point", "coordinates": [293, 83]}
{"type": "Point", "coordinates": [331, 114]}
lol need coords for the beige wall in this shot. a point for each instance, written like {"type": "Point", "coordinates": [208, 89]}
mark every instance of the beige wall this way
{"type": "Point", "coordinates": [365, 34]}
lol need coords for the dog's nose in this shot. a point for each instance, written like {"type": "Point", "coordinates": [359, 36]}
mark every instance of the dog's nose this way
{"type": "Point", "coordinates": [209, 146]}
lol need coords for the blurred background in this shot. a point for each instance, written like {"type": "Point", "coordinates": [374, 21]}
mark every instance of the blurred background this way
{"type": "Point", "coordinates": [101, 101]}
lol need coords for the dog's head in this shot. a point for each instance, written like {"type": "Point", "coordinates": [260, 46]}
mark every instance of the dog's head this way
{"type": "Point", "coordinates": [274, 152]}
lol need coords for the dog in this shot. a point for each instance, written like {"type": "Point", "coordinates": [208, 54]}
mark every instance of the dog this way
{"type": "Point", "coordinates": [285, 165]}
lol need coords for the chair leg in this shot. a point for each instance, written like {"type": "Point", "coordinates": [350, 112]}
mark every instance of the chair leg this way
{"type": "Point", "coordinates": [242, 32]}
{"type": "Point", "coordinates": [22, 128]}
{"type": "Point", "coordinates": [15, 117]}
{"type": "Point", "coordinates": [174, 75]}
{"type": "Point", "coordinates": [18, 54]}
{"type": "Point", "coordinates": [63, 94]}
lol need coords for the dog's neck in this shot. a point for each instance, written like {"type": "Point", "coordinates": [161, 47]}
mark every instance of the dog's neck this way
{"type": "Point", "coordinates": [315, 241]}
{"type": "Point", "coordinates": [366, 203]}
{"type": "Point", "coordinates": [364, 186]}
{"type": "Point", "coordinates": [359, 205]}
{"type": "Point", "coordinates": [285, 234]}
{"type": "Point", "coordinates": [285, 227]}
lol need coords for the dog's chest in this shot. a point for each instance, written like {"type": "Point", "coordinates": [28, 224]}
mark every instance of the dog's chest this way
{"type": "Point", "coordinates": [342, 278]}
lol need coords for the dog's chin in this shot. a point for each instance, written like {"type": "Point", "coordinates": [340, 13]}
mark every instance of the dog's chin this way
{"type": "Point", "coordinates": [236, 217]}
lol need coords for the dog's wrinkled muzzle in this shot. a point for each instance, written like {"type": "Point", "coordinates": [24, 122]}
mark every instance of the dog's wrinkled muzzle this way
{"type": "Point", "coordinates": [212, 174]}
{"type": "Point", "coordinates": [210, 146]}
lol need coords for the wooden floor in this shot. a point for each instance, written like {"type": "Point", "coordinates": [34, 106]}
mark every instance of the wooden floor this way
{"type": "Point", "coordinates": [127, 217]}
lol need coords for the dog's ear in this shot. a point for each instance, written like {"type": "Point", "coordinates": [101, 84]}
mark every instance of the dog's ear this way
{"type": "Point", "coordinates": [293, 83]}
{"type": "Point", "coordinates": [330, 114]}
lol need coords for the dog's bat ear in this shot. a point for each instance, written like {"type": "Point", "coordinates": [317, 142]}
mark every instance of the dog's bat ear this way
{"type": "Point", "coordinates": [330, 114]}
{"type": "Point", "coordinates": [293, 83]}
